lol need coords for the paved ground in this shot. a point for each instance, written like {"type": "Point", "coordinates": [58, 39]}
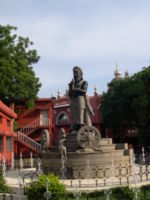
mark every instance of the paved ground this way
{"type": "Point", "coordinates": [88, 185]}
{"type": "Point", "coordinates": [12, 179]}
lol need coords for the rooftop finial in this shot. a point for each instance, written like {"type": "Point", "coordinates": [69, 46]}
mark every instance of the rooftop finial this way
{"type": "Point", "coordinates": [52, 94]}
{"type": "Point", "coordinates": [67, 91]}
{"type": "Point", "coordinates": [59, 94]}
{"type": "Point", "coordinates": [95, 90]}
{"type": "Point", "coordinates": [117, 72]}
{"type": "Point", "coordinates": [126, 74]}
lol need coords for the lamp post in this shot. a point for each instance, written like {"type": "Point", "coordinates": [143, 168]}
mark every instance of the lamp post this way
{"type": "Point", "coordinates": [47, 194]}
{"type": "Point", "coordinates": [77, 193]}
{"type": "Point", "coordinates": [63, 168]}
{"type": "Point", "coordinates": [4, 166]}
{"type": "Point", "coordinates": [39, 171]}
{"type": "Point", "coordinates": [31, 159]}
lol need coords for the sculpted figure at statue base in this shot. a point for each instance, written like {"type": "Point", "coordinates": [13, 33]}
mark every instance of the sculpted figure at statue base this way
{"type": "Point", "coordinates": [61, 146]}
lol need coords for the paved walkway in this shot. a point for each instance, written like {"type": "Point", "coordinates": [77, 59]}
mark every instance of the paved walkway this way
{"type": "Point", "coordinates": [12, 179]}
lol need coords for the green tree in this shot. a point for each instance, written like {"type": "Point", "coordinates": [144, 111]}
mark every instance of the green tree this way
{"type": "Point", "coordinates": [17, 78]}
{"type": "Point", "coordinates": [3, 186]}
{"type": "Point", "coordinates": [141, 81]}
{"type": "Point", "coordinates": [127, 104]}
{"type": "Point", "coordinates": [37, 189]}
{"type": "Point", "coordinates": [116, 109]}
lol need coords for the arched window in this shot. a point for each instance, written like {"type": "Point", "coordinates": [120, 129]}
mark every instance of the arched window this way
{"type": "Point", "coordinates": [62, 118]}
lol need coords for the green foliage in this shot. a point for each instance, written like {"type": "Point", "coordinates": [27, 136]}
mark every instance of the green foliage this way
{"type": "Point", "coordinates": [126, 105]}
{"type": "Point", "coordinates": [17, 78]}
{"type": "Point", "coordinates": [145, 192]}
{"type": "Point", "coordinates": [116, 108]}
{"type": "Point", "coordinates": [15, 125]}
{"type": "Point", "coordinates": [122, 193]}
{"type": "Point", "coordinates": [3, 186]}
{"type": "Point", "coordinates": [36, 189]}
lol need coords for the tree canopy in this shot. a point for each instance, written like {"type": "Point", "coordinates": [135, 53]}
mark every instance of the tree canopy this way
{"type": "Point", "coordinates": [126, 105]}
{"type": "Point", "coordinates": [17, 78]}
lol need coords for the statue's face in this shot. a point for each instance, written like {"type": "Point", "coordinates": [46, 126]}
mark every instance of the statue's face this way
{"type": "Point", "coordinates": [77, 75]}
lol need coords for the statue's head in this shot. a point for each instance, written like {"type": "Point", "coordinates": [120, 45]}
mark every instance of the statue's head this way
{"type": "Point", "coordinates": [77, 73]}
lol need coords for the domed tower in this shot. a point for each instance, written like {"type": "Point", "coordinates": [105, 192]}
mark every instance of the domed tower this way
{"type": "Point", "coordinates": [117, 74]}
{"type": "Point", "coordinates": [117, 77]}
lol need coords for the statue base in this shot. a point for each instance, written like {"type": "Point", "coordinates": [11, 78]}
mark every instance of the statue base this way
{"type": "Point", "coordinates": [89, 163]}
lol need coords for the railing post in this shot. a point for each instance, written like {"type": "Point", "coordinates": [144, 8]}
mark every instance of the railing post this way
{"type": "Point", "coordinates": [4, 196]}
{"type": "Point", "coordinates": [11, 196]}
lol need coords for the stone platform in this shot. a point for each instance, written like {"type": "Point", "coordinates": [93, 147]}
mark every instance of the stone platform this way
{"type": "Point", "coordinates": [83, 163]}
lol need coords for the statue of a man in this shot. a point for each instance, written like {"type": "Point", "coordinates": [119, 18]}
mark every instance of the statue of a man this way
{"type": "Point", "coordinates": [79, 104]}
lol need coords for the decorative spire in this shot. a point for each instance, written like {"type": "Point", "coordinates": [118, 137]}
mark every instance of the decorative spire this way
{"type": "Point", "coordinates": [117, 72]}
{"type": "Point", "coordinates": [126, 74]}
{"type": "Point", "coordinates": [67, 91]}
{"type": "Point", "coordinates": [95, 90]}
{"type": "Point", "coordinates": [59, 94]}
{"type": "Point", "coordinates": [52, 94]}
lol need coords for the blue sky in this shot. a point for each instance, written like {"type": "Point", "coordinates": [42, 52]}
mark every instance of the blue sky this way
{"type": "Point", "coordinates": [94, 34]}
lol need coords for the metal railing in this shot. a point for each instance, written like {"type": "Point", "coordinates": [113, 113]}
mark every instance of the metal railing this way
{"type": "Point", "coordinates": [28, 141]}
{"type": "Point", "coordinates": [22, 134]}
{"type": "Point", "coordinates": [34, 125]}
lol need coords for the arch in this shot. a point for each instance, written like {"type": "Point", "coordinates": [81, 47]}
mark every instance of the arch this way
{"type": "Point", "coordinates": [62, 118]}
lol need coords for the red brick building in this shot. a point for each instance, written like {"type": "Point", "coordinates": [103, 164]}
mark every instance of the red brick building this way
{"type": "Point", "coordinates": [51, 114]}
{"type": "Point", "coordinates": [7, 135]}
{"type": "Point", "coordinates": [31, 122]}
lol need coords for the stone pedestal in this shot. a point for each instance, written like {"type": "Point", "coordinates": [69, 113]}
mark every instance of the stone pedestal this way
{"type": "Point", "coordinates": [89, 164]}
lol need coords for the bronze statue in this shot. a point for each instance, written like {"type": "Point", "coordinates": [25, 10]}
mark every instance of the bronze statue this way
{"type": "Point", "coordinates": [79, 104]}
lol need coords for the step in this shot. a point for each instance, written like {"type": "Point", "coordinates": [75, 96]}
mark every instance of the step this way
{"type": "Point", "coordinates": [105, 141]}
{"type": "Point", "coordinates": [107, 147]}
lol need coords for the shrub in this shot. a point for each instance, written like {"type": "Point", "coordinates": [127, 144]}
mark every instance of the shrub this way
{"type": "Point", "coordinates": [36, 189]}
{"type": "Point", "coordinates": [145, 192]}
{"type": "Point", "coordinates": [122, 193]}
{"type": "Point", "coordinates": [3, 185]}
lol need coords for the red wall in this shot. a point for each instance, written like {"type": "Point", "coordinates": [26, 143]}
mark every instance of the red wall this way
{"type": "Point", "coordinates": [6, 131]}
{"type": "Point", "coordinates": [54, 107]}
{"type": "Point", "coordinates": [28, 116]}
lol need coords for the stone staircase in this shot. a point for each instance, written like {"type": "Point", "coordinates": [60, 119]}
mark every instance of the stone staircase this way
{"type": "Point", "coordinates": [22, 135]}
{"type": "Point", "coordinates": [27, 141]}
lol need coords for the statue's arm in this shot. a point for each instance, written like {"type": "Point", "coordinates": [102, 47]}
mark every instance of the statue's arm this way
{"type": "Point", "coordinates": [71, 88]}
{"type": "Point", "coordinates": [83, 89]}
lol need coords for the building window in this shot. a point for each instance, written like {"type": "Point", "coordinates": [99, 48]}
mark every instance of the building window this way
{"type": "Point", "coordinates": [8, 122]}
{"type": "Point", "coordinates": [0, 119]}
{"type": "Point", "coordinates": [44, 120]}
{"type": "Point", "coordinates": [62, 118]}
{"type": "Point", "coordinates": [9, 144]}
{"type": "Point", "coordinates": [1, 144]}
